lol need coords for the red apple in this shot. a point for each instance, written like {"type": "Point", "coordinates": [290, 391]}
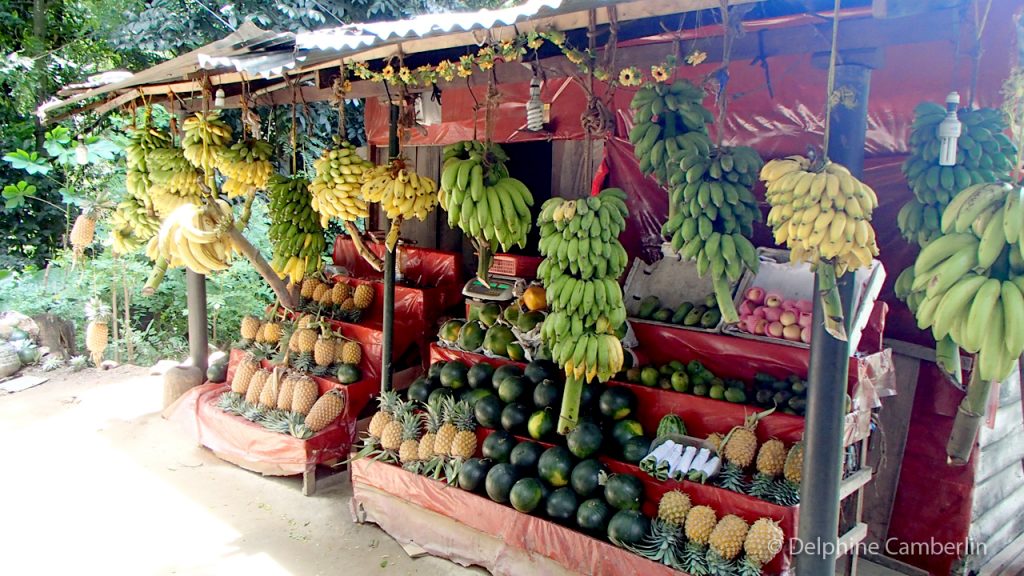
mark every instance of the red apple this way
{"type": "Point", "coordinates": [791, 333]}
{"type": "Point", "coordinates": [747, 308]}
{"type": "Point", "coordinates": [775, 329]}
{"type": "Point", "coordinates": [773, 300]}
{"type": "Point", "coordinates": [790, 305]}
{"type": "Point", "coordinates": [761, 327]}
{"type": "Point", "coordinates": [760, 311]}
{"type": "Point", "coordinates": [756, 295]}
{"type": "Point", "coordinates": [773, 314]}
{"type": "Point", "coordinates": [788, 318]}
{"type": "Point", "coordinates": [805, 335]}
{"type": "Point", "coordinates": [805, 305]}
{"type": "Point", "coordinates": [805, 320]}
{"type": "Point", "coordinates": [749, 322]}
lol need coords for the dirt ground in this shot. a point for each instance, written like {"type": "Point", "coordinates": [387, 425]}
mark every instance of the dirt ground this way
{"type": "Point", "coordinates": [94, 481]}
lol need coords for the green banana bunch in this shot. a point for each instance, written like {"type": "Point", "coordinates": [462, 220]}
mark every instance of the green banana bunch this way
{"type": "Point", "coordinates": [984, 154]}
{"type": "Point", "coordinates": [132, 225]}
{"type": "Point", "coordinates": [173, 180]}
{"type": "Point", "coordinates": [664, 115]}
{"type": "Point", "coordinates": [246, 167]}
{"type": "Point", "coordinates": [480, 197]}
{"type": "Point", "coordinates": [141, 144]}
{"type": "Point", "coordinates": [967, 285]}
{"type": "Point", "coordinates": [295, 229]}
{"type": "Point", "coordinates": [206, 139]}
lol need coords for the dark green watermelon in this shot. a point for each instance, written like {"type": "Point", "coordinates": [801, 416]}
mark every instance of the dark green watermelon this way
{"type": "Point", "coordinates": [499, 482]}
{"type": "Point", "coordinates": [555, 466]}
{"type": "Point", "coordinates": [628, 527]}
{"type": "Point", "coordinates": [503, 372]}
{"type": "Point", "coordinates": [488, 411]}
{"type": "Point", "coordinates": [498, 446]}
{"type": "Point", "coordinates": [471, 397]}
{"type": "Point", "coordinates": [453, 375]}
{"type": "Point", "coordinates": [514, 389]}
{"type": "Point", "coordinates": [541, 370]}
{"type": "Point", "coordinates": [585, 440]}
{"type": "Point", "coordinates": [592, 516]}
{"type": "Point", "coordinates": [473, 473]}
{"type": "Point", "coordinates": [479, 376]}
{"type": "Point", "coordinates": [586, 479]}
{"type": "Point", "coordinates": [623, 430]}
{"type": "Point", "coordinates": [617, 402]}
{"type": "Point", "coordinates": [624, 491]}
{"type": "Point", "coordinates": [434, 372]}
{"type": "Point", "coordinates": [420, 390]}
{"type": "Point", "coordinates": [526, 495]}
{"type": "Point", "coordinates": [514, 417]}
{"type": "Point", "coordinates": [547, 394]}
{"type": "Point", "coordinates": [438, 393]}
{"type": "Point", "coordinates": [217, 372]}
{"type": "Point", "coordinates": [541, 424]}
{"type": "Point", "coordinates": [635, 449]}
{"type": "Point", "coordinates": [525, 456]}
{"type": "Point", "coordinates": [348, 374]}
{"type": "Point", "coordinates": [561, 505]}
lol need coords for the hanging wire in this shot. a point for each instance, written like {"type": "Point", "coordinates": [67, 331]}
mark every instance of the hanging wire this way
{"type": "Point", "coordinates": [829, 100]}
{"type": "Point", "coordinates": [294, 133]}
{"type": "Point", "coordinates": [979, 28]}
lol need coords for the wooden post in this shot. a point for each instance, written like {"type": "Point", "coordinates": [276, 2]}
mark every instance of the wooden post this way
{"type": "Point", "coordinates": [389, 277]}
{"type": "Point", "coordinates": [198, 339]}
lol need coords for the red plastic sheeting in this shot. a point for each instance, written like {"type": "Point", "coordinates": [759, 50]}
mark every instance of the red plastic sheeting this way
{"type": "Point", "coordinates": [782, 122]}
{"type": "Point", "coordinates": [422, 267]}
{"type": "Point", "coordinates": [255, 448]}
{"type": "Point", "coordinates": [574, 550]}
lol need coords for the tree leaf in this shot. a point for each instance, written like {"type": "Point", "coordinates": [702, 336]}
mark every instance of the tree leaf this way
{"type": "Point", "coordinates": [28, 161]}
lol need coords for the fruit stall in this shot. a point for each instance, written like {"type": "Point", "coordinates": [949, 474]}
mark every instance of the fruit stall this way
{"type": "Point", "coordinates": [711, 246]}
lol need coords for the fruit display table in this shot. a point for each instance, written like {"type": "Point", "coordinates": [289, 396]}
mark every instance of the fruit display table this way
{"type": "Point", "coordinates": [253, 447]}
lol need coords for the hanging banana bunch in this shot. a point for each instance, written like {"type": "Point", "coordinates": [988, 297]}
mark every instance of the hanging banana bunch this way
{"type": "Point", "coordinates": [663, 114]}
{"type": "Point", "coordinates": [401, 193]}
{"type": "Point", "coordinates": [196, 237]}
{"type": "Point", "coordinates": [483, 201]}
{"type": "Point", "coordinates": [141, 143]}
{"type": "Point", "coordinates": [823, 215]}
{"type": "Point", "coordinates": [337, 192]}
{"type": "Point", "coordinates": [295, 229]}
{"type": "Point", "coordinates": [175, 181]}
{"type": "Point", "coordinates": [246, 167]}
{"type": "Point", "coordinates": [131, 226]}
{"type": "Point", "coordinates": [206, 139]}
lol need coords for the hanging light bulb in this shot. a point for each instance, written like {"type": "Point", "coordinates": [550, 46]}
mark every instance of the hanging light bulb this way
{"type": "Point", "coordinates": [949, 131]}
{"type": "Point", "coordinates": [81, 151]}
{"type": "Point", "coordinates": [218, 98]}
{"type": "Point", "coordinates": [535, 107]}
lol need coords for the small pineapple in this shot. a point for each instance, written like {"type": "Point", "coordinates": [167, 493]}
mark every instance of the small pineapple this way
{"type": "Point", "coordinates": [326, 409]}
{"type": "Point", "coordinates": [323, 351]}
{"type": "Point", "coordinates": [304, 394]}
{"type": "Point", "coordinates": [446, 433]}
{"type": "Point", "coordinates": [249, 328]}
{"type": "Point", "coordinates": [673, 507]}
{"type": "Point", "coordinates": [464, 442]}
{"type": "Point", "coordinates": [287, 392]}
{"type": "Point", "coordinates": [269, 393]}
{"type": "Point", "coordinates": [244, 373]}
{"type": "Point", "coordinates": [96, 332]}
{"type": "Point", "coordinates": [348, 305]}
{"type": "Point", "coordinates": [764, 541]}
{"type": "Point", "coordinates": [272, 332]}
{"type": "Point", "coordinates": [391, 436]}
{"type": "Point", "coordinates": [339, 293]}
{"type": "Point", "coordinates": [385, 409]}
{"type": "Point", "coordinates": [738, 450]}
{"type": "Point", "coordinates": [308, 287]}
{"type": "Point", "coordinates": [715, 440]}
{"type": "Point", "coordinates": [325, 300]}
{"type": "Point", "coordinates": [786, 491]}
{"type": "Point", "coordinates": [83, 233]}
{"type": "Point", "coordinates": [261, 334]}
{"type": "Point", "coordinates": [793, 467]}
{"type": "Point", "coordinates": [700, 523]}
{"type": "Point", "coordinates": [305, 344]}
{"type": "Point", "coordinates": [770, 461]}
{"type": "Point", "coordinates": [433, 422]}
{"type": "Point", "coordinates": [363, 296]}
{"type": "Point", "coordinates": [725, 543]}
{"type": "Point", "coordinates": [320, 291]}
{"type": "Point", "coordinates": [256, 384]}
{"type": "Point", "coordinates": [306, 321]}
{"type": "Point", "coordinates": [409, 450]}
{"type": "Point", "coordinates": [351, 352]}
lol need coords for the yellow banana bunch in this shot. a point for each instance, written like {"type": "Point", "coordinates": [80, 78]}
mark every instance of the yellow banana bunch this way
{"type": "Point", "coordinates": [246, 167]}
{"type": "Point", "coordinates": [820, 213]}
{"type": "Point", "coordinates": [196, 237]}
{"type": "Point", "coordinates": [132, 224]}
{"type": "Point", "coordinates": [174, 181]}
{"type": "Point", "coordinates": [337, 186]}
{"type": "Point", "coordinates": [295, 229]}
{"type": "Point", "coordinates": [402, 194]}
{"type": "Point", "coordinates": [141, 144]}
{"type": "Point", "coordinates": [206, 138]}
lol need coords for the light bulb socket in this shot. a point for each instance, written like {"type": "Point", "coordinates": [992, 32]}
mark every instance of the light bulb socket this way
{"type": "Point", "coordinates": [218, 98]}
{"type": "Point", "coordinates": [81, 152]}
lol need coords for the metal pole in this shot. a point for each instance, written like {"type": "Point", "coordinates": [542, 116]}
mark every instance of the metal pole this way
{"type": "Point", "coordinates": [829, 361]}
{"type": "Point", "coordinates": [198, 339]}
{"type": "Point", "coordinates": [389, 275]}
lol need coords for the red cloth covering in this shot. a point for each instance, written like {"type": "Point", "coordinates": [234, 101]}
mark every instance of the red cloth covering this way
{"type": "Point", "coordinates": [255, 448]}
{"type": "Point", "coordinates": [576, 551]}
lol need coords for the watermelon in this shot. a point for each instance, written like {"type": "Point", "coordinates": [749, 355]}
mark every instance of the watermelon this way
{"type": "Point", "coordinates": [420, 390]}
{"type": "Point", "coordinates": [438, 393]}
{"type": "Point", "coordinates": [453, 375]}
{"type": "Point", "coordinates": [628, 528]}
{"type": "Point", "coordinates": [671, 424]}
{"type": "Point", "coordinates": [617, 402]}
{"type": "Point", "coordinates": [503, 372]}
{"type": "Point", "coordinates": [514, 417]}
{"type": "Point", "coordinates": [592, 516]}
{"type": "Point", "coordinates": [561, 505]}
{"type": "Point", "coordinates": [513, 388]}
{"type": "Point", "coordinates": [585, 440]}
{"type": "Point", "coordinates": [541, 424]}
{"type": "Point", "coordinates": [499, 482]}
{"type": "Point", "coordinates": [626, 429]}
{"type": "Point", "coordinates": [555, 466]}
{"type": "Point", "coordinates": [473, 473]}
{"type": "Point", "coordinates": [498, 446]}
{"type": "Point", "coordinates": [547, 394]}
{"type": "Point", "coordinates": [525, 456]}
{"type": "Point", "coordinates": [635, 449]}
{"type": "Point", "coordinates": [586, 479]}
{"type": "Point", "coordinates": [623, 491]}
{"type": "Point", "coordinates": [479, 376]}
{"type": "Point", "coordinates": [348, 374]}
{"type": "Point", "coordinates": [526, 495]}
{"type": "Point", "coordinates": [434, 372]}
{"type": "Point", "coordinates": [488, 411]}
{"type": "Point", "coordinates": [471, 397]}
{"type": "Point", "coordinates": [541, 370]}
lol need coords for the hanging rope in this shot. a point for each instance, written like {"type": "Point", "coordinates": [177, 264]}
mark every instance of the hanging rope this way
{"type": "Point", "coordinates": [294, 130]}
{"type": "Point", "coordinates": [723, 71]}
{"type": "Point", "coordinates": [830, 98]}
{"type": "Point", "coordinates": [980, 20]}
{"type": "Point", "coordinates": [476, 107]}
{"type": "Point", "coordinates": [339, 94]}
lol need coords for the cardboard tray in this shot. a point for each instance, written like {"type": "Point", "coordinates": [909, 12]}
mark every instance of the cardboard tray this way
{"type": "Point", "coordinates": [776, 274]}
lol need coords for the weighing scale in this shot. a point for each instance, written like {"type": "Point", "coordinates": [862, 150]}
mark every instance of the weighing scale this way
{"type": "Point", "coordinates": [501, 289]}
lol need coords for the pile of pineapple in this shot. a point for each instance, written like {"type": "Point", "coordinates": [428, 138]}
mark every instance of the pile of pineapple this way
{"type": "Point", "coordinates": [260, 336]}
{"type": "Point", "coordinates": [694, 539]}
{"type": "Point", "coordinates": [774, 470]}
{"type": "Point", "coordinates": [340, 300]}
{"type": "Point", "coordinates": [431, 442]}
{"type": "Point", "coordinates": [280, 400]}
{"type": "Point", "coordinates": [314, 348]}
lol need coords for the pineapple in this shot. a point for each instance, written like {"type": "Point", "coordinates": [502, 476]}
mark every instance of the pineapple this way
{"type": "Point", "coordinates": [351, 352]}
{"type": "Point", "coordinates": [339, 293]}
{"type": "Point", "coordinates": [325, 298]}
{"type": "Point", "coordinates": [287, 392]}
{"type": "Point", "coordinates": [348, 305]}
{"type": "Point", "coordinates": [793, 467]}
{"type": "Point", "coordinates": [83, 232]}
{"type": "Point", "coordinates": [250, 326]}
{"type": "Point", "coordinates": [446, 433]}
{"type": "Point", "coordinates": [256, 384]}
{"type": "Point", "coordinates": [323, 351]}
{"type": "Point", "coordinates": [725, 543]}
{"type": "Point", "coordinates": [786, 491]}
{"type": "Point", "coordinates": [319, 291]}
{"type": "Point", "coordinates": [96, 332]}
{"type": "Point", "coordinates": [673, 507]}
{"type": "Point", "coordinates": [308, 287]}
{"type": "Point", "coordinates": [244, 373]}
{"type": "Point", "coordinates": [325, 410]}
{"type": "Point", "coordinates": [715, 440]}
{"type": "Point", "coordinates": [738, 449]}
{"type": "Point", "coordinates": [770, 461]}
{"type": "Point", "coordinates": [391, 436]}
{"type": "Point", "coordinates": [306, 321]}
{"type": "Point", "coordinates": [261, 334]}
{"type": "Point", "coordinates": [363, 296]}
{"type": "Point", "coordinates": [409, 450]}
{"type": "Point", "coordinates": [464, 442]}
{"type": "Point", "coordinates": [304, 394]}
{"type": "Point", "coordinates": [764, 541]}
{"type": "Point", "coordinates": [386, 403]}
{"type": "Point", "coordinates": [305, 343]}
{"type": "Point", "coordinates": [700, 523]}
{"type": "Point", "coordinates": [433, 422]}
{"type": "Point", "coordinates": [272, 332]}
{"type": "Point", "coordinates": [268, 395]}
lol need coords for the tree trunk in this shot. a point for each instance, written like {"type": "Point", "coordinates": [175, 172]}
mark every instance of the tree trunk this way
{"type": "Point", "coordinates": [39, 68]}
{"type": "Point", "coordinates": [287, 298]}
{"type": "Point", "coordinates": [56, 334]}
